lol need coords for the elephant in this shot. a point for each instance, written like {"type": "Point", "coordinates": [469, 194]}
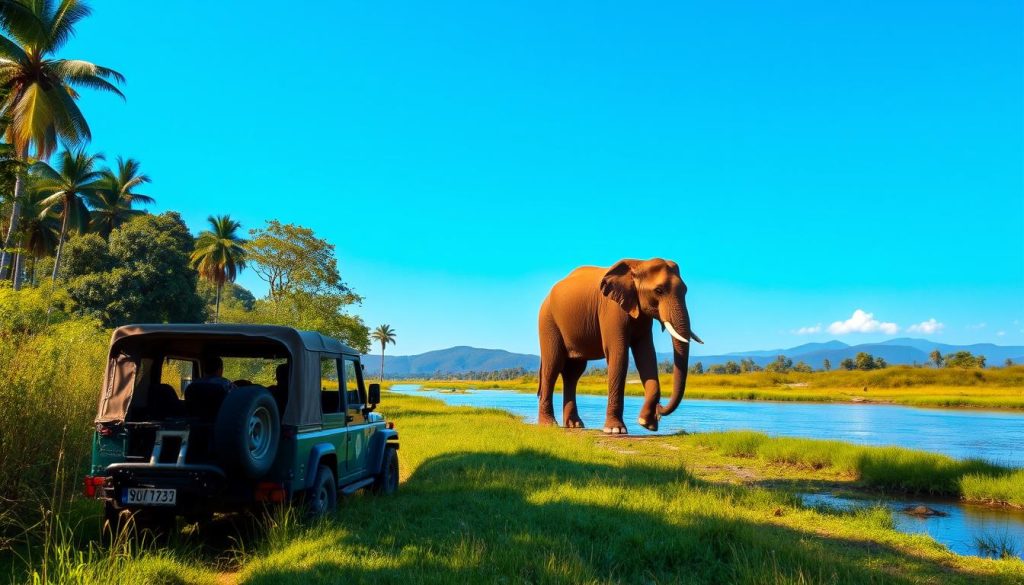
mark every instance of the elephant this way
{"type": "Point", "coordinates": [596, 313]}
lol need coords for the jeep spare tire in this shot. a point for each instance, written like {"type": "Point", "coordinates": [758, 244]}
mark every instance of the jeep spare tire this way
{"type": "Point", "coordinates": [247, 431]}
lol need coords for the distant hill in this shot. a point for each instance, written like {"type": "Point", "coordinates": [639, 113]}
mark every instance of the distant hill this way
{"type": "Point", "coordinates": [453, 360]}
{"type": "Point", "coordinates": [461, 359]}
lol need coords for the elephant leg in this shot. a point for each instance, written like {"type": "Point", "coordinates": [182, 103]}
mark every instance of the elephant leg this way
{"type": "Point", "coordinates": [552, 360]}
{"type": "Point", "coordinates": [571, 372]}
{"type": "Point", "coordinates": [646, 360]}
{"type": "Point", "coordinates": [618, 364]}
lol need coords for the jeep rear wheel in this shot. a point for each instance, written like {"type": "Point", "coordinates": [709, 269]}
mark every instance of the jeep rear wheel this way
{"type": "Point", "coordinates": [247, 431]}
{"type": "Point", "coordinates": [386, 481]}
{"type": "Point", "coordinates": [322, 497]}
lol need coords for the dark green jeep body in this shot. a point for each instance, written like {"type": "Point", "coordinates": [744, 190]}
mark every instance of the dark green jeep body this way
{"type": "Point", "coordinates": [297, 424]}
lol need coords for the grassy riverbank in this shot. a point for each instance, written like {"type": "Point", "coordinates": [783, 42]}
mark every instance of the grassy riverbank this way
{"type": "Point", "coordinates": [486, 498]}
{"type": "Point", "coordinates": [946, 387]}
{"type": "Point", "coordinates": [888, 469]}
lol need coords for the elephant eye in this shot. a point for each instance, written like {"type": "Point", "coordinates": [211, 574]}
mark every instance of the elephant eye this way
{"type": "Point", "coordinates": [659, 291]}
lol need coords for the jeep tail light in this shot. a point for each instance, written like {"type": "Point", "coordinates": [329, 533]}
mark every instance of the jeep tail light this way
{"type": "Point", "coordinates": [93, 485]}
{"type": "Point", "coordinates": [272, 492]}
{"type": "Point", "coordinates": [389, 425]}
{"type": "Point", "coordinates": [105, 431]}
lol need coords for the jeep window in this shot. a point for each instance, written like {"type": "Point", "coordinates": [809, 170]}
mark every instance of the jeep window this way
{"type": "Point", "coordinates": [330, 386]}
{"type": "Point", "coordinates": [355, 395]}
{"type": "Point", "coordinates": [178, 374]}
{"type": "Point", "coordinates": [246, 371]}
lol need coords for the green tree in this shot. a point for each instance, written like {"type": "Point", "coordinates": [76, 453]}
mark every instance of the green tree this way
{"type": "Point", "coordinates": [936, 357]}
{"type": "Point", "coordinates": [848, 364]}
{"type": "Point", "coordinates": [142, 274]}
{"type": "Point", "coordinates": [749, 365]}
{"type": "Point", "coordinates": [865, 361]}
{"type": "Point", "coordinates": [39, 91]}
{"type": "Point", "coordinates": [291, 258]}
{"type": "Point", "coordinates": [964, 359]}
{"type": "Point", "coordinates": [1008, 363]}
{"type": "Point", "coordinates": [66, 190]}
{"type": "Point", "coordinates": [234, 296]}
{"type": "Point", "coordinates": [697, 368]}
{"type": "Point", "coordinates": [780, 365]}
{"type": "Point", "coordinates": [40, 230]}
{"type": "Point", "coordinates": [802, 367]}
{"type": "Point", "coordinates": [112, 203]}
{"type": "Point", "coordinates": [383, 335]}
{"type": "Point", "coordinates": [826, 365]}
{"type": "Point", "coordinates": [880, 363]}
{"type": "Point", "coordinates": [220, 254]}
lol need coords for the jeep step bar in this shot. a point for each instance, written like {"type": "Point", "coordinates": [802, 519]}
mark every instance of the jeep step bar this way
{"type": "Point", "coordinates": [352, 488]}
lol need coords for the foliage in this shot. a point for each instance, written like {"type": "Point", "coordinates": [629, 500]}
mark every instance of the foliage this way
{"type": "Point", "coordinates": [323, 313]}
{"type": "Point", "coordinates": [112, 203]}
{"type": "Point", "coordinates": [38, 91]}
{"type": "Point", "coordinates": [802, 367]}
{"type": "Point", "coordinates": [233, 296]}
{"type": "Point", "coordinates": [143, 275]}
{"type": "Point", "coordinates": [729, 367]}
{"type": "Point", "coordinates": [25, 312]}
{"type": "Point", "coordinates": [383, 335]}
{"type": "Point", "coordinates": [936, 357]}
{"type": "Point", "coordinates": [781, 365]}
{"type": "Point", "coordinates": [696, 368]}
{"type": "Point", "coordinates": [66, 190]}
{"type": "Point", "coordinates": [220, 254]}
{"type": "Point", "coordinates": [291, 259]}
{"type": "Point", "coordinates": [963, 360]}
{"type": "Point", "coordinates": [826, 365]}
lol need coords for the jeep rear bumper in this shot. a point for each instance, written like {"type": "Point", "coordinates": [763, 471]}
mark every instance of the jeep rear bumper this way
{"type": "Point", "coordinates": [195, 485]}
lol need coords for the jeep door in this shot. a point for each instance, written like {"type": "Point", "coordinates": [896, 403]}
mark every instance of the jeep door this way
{"type": "Point", "coordinates": [332, 402]}
{"type": "Point", "coordinates": [359, 429]}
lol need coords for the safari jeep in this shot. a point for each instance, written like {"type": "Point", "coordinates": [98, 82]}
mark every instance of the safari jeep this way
{"type": "Point", "coordinates": [197, 419]}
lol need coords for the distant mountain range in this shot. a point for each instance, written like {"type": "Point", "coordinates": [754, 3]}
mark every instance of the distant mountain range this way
{"type": "Point", "coordinates": [905, 350]}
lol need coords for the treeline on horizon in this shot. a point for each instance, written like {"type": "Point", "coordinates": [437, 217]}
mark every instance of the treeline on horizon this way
{"type": "Point", "coordinates": [76, 243]}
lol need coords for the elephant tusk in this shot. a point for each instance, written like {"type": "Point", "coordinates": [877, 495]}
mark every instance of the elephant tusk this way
{"type": "Point", "coordinates": [694, 337]}
{"type": "Point", "coordinates": [672, 331]}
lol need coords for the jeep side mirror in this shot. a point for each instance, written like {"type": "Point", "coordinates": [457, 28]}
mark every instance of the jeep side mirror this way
{"type": "Point", "coordinates": [373, 394]}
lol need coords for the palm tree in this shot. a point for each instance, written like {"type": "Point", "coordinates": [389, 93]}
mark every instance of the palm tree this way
{"type": "Point", "coordinates": [112, 205]}
{"type": "Point", "coordinates": [220, 254]}
{"type": "Point", "coordinates": [39, 91]}
{"type": "Point", "coordinates": [40, 230]}
{"type": "Point", "coordinates": [385, 335]}
{"type": "Point", "coordinates": [65, 191]}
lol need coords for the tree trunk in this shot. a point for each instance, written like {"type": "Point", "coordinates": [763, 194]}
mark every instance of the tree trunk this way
{"type": "Point", "coordinates": [216, 318]}
{"type": "Point", "coordinates": [60, 243]}
{"type": "Point", "coordinates": [5, 254]}
{"type": "Point", "coordinates": [19, 258]}
{"type": "Point", "coordinates": [382, 361]}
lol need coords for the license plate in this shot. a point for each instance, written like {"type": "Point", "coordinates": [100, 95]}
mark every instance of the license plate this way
{"type": "Point", "coordinates": [150, 497]}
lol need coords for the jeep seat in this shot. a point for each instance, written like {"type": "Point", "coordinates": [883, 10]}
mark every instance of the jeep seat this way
{"type": "Point", "coordinates": [203, 399]}
{"type": "Point", "coordinates": [164, 403]}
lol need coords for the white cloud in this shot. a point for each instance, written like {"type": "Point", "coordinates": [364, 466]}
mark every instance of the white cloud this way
{"type": "Point", "coordinates": [927, 327]}
{"type": "Point", "coordinates": [862, 322]}
{"type": "Point", "coordinates": [1000, 333]}
{"type": "Point", "coordinates": [808, 330]}
{"type": "Point", "coordinates": [977, 326]}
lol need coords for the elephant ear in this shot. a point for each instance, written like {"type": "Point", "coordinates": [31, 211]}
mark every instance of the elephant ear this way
{"type": "Point", "coordinates": [619, 285]}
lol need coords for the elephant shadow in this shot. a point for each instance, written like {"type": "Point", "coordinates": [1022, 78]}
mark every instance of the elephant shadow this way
{"type": "Point", "coordinates": [534, 517]}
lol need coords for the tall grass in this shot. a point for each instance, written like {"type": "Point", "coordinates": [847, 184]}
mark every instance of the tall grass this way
{"type": "Point", "coordinates": [49, 387]}
{"type": "Point", "coordinates": [892, 469]}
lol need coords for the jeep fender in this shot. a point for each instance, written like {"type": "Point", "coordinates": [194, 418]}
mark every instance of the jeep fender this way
{"type": "Point", "coordinates": [378, 442]}
{"type": "Point", "coordinates": [316, 455]}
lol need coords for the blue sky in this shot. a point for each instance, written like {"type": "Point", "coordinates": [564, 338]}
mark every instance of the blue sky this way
{"type": "Point", "coordinates": [800, 160]}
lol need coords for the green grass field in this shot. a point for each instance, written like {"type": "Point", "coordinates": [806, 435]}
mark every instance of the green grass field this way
{"type": "Point", "coordinates": [1001, 388]}
{"type": "Point", "coordinates": [487, 498]}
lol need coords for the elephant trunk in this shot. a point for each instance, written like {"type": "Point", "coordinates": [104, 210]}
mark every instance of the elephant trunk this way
{"type": "Point", "coordinates": [680, 361]}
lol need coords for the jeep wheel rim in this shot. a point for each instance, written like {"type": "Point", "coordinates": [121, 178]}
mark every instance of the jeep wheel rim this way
{"type": "Point", "coordinates": [259, 433]}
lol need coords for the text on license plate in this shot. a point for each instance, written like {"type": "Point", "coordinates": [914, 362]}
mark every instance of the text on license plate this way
{"type": "Point", "coordinates": [150, 496]}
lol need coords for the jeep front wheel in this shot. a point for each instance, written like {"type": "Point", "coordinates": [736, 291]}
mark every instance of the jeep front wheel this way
{"type": "Point", "coordinates": [247, 431]}
{"type": "Point", "coordinates": [386, 481]}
